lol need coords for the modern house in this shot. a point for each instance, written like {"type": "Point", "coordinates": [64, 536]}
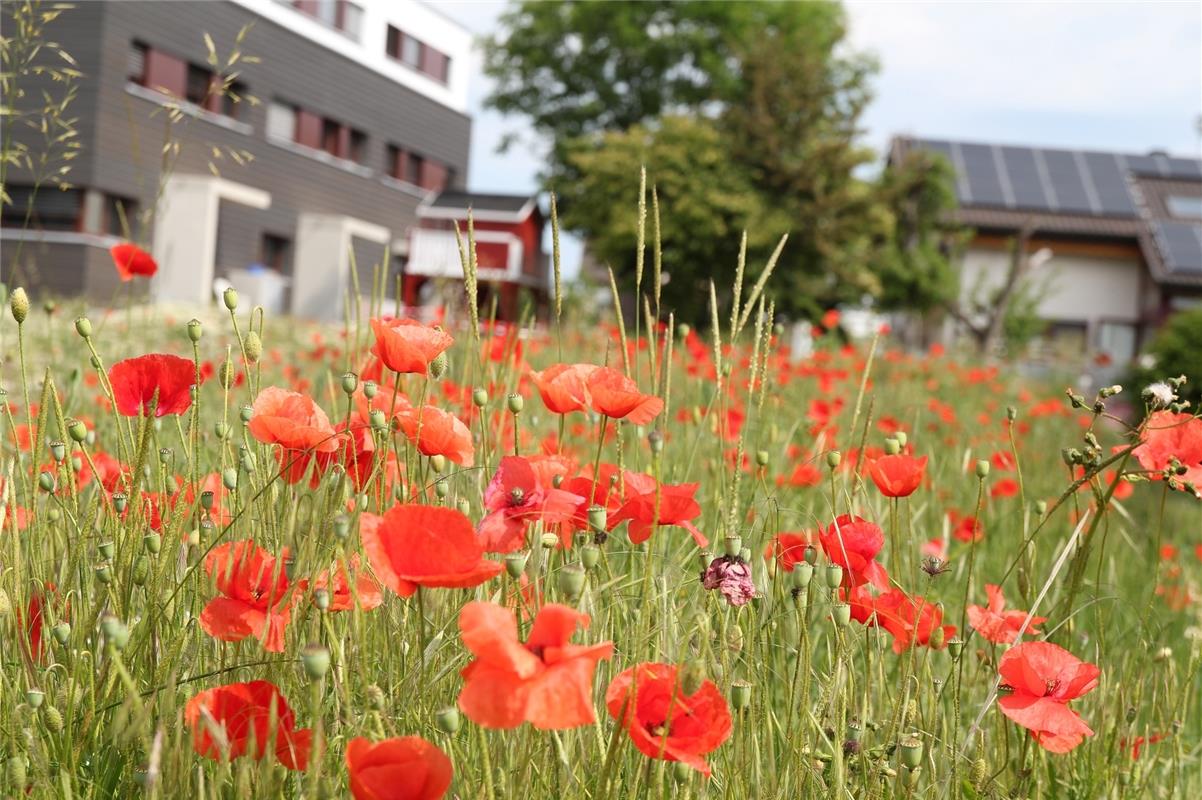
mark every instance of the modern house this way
{"type": "Point", "coordinates": [508, 231]}
{"type": "Point", "coordinates": [1120, 235]}
{"type": "Point", "coordinates": [345, 115]}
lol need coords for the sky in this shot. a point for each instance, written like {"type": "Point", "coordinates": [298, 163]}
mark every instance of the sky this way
{"type": "Point", "coordinates": [1124, 76]}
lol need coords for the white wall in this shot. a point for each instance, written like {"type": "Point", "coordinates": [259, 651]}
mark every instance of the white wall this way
{"type": "Point", "coordinates": [415, 18]}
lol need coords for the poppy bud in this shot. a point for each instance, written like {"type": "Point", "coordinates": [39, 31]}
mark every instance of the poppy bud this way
{"type": "Point", "coordinates": [448, 720]}
{"type": "Point", "coordinates": [77, 430]}
{"type": "Point", "coordinates": [221, 431]}
{"type": "Point", "coordinates": [732, 545]}
{"type": "Point", "coordinates": [195, 330]}
{"type": "Point", "coordinates": [692, 676]}
{"type": "Point", "coordinates": [571, 580]}
{"type": "Point", "coordinates": [955, 646]}
{"type": "Point", "coordinates": [597, 518]}
{"type": "Point", "coordinates": [803, 573]}
{"type": "Point", "coordinates": [901, 437]}
{"type": "Point", "coordinates": [937, 638]}
{"type": "Point", "coordinates": [1041, 507]}
{"type": "Point", "coordinates": [18, 303]}
{"type": "Point", "coordinates": [911, 751]}
{"type": "Point", "coordinates": [141, 571]}
{"type": "Point", "coordinates": [515, 563]}
{"type": "Point", "coordinates": [439, 462]}
{"type": "Point", "coordinates": [655, 440]}
{"type": "Point", "coordinates": [253, 345]}
{"type": "Point", "coordinates": [95, 362]}
{"type": "Point", "coordinates": [106, 550]}
{"type": "Point", "coordinates": [516, 403]}
{"type": "Point", "coordinates": [833, 575]}
{"type": "Point", "coordinates": [438, 367]}
{"type": "Point", "coordinates": [841, 613]}
{"type": "Point", "coordinates": [230, 298]}
{"type": "Point", "coordinates": [982, 469]}
{"type": "Point", "coordinates": [682, 330]}
{"type": "Point", "coordinates": [892, 446]}
{"type": "Point", "coordinates": [480, 397]}
{"type": "Point", "coordinates": [811, 554]}
{"type": "Point", "coordinates": [226, 374]}
{"type": "Point", "coordinates": [58, 450]}
{"type": "Point", "coordinates": [229, 478]}
{"type": "Point", "coordinates": [46, 482]}
{"type": "Point", "coordinates": [740, 695]}
{"type": "Point", "coordinates": [833, 458]}
{"type": "Point", "coordinates": [61, 632]}
{"type": "Point", "coordinates": [153, 543]}
{"type": "Point", "coordinates": [83, 326]}
{"type": "Point", "coordinates": [590, 556]}
{"type": "Point", "coordinates": [316, 661]}
{"type": "Point", "coordinates": [681, 771]}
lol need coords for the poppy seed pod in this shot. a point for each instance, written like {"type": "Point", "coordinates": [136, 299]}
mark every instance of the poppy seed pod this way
{"type": "Point", "coordinates": [230, 298]}
{"type": "Point", "coordinates": [46, 481]}
{"type": "Point", "coordinates": [441, 490]}
{"type": "Point", "coordinates": [982, 469]}
{"type": "Point", "coordinates": [515, 563]}
{"type": "Point", "coordinates": [810, 554]}
{"type": "Point", "coordinates": [18, 303]}
{"type": "Point", "coordinates": [464, 506]}
{"type": "Point", "coordinates": [321, 599]}
{"type": "Point", "coordinates": [153, 543]}
{"type": "Point", "coordinates": [549, 540]}
{"type": "Point", "coordinates": [681, 772]}
{"type": "Point", "coordinates": [77, 430]}
{"type": "Point", "coordinates": [195, 330]}
{"type": "Point", "coordinates": [246, 413]}
{"type": "Point", "coordinates": [480, 397]}
{"type": "Point", "coordinates": [221, 431]}
{"type": "Point", "coordinates": [597, 518]}
{"type": "Point", "coordinates": [58, 450]}
{"type": "Point", "coordinates": [61, 632]}
{"type": "Point", "coordinates": [841, 613]}
{"type": "Point", "coordinates": [740, 695]}
{"type": "Point", "coordinates": [316, 661]}
{"type": "Point", "coordinates": [165, 455]}
{"type": "Point", "coordinates": [350, 382]}
{"type": "Point", "coordinates": [692, 676]}
{"type": "Point", "coordinates": [571, 580]}
{"type": "Point", "coordinates": [448, 720]}
{"type": "Point", "coordinates": [682, 330]}
{"type": "Point", "coordinates": [120, 502]}
{"type": "Point", "coordinates": [206, 500]}
{"type": "Point", "coordinates": [103, 573]}
{"type": "Point", "coordinates": [802, 574]}
{"type": "Point", "coordinates": [516, 403]}
{"type": "Point", "coordinates": [35, 698]}
{"type": "Point", "coordinates": [377, 419]}
{"type": "Point", "coordinates": [732, 545]}
{"type": "Point", "coordinates": [229, 478]}
{"type": "Point", "coordinates": [590, 556]}
{"type": "Point", "coordinates": [106, 550]}
{"type": "Point", "coordinates": [954, 647]}
{"type": "Point", "coordinates": [911, 751]}
{"type": "Point", "coordinates": [833, 575]}
{"type": "Point", "coordinates": [370, 388]}
{"type": "Point", "coordinates": [833, 459]}
{"type": "Point", "coordinates": [1011, 413]}
{"type": "Point", "coordinates": [761, 458]}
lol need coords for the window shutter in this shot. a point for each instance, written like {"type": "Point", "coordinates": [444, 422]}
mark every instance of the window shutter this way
{"type": "Point", "coordinates": [166, 73]}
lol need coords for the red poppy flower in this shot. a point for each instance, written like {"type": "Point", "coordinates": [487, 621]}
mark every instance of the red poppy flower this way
{"type": "Point", "coordinates": [437, 432]}
{"type": "Point", "coordinates": [789, 549]}
{"type": "Point", "coordinates": [406, 768]}
{"type": "Point", "coordinates": [136, 381]}
{"type": "Point", "coordinates": [663, 722]}
{"type": "Point", "coordinates": [414, 545]}
{"type": "Point", "coordinates": [852, 543]}
{"type": "Point", "coordinates": [1006, 487]}
{"type": "Point", "coordinates": [228, 721]}
{"type": "Point", "coordinates": [256, 596]}
{"type": "Point", "coordinates": [564, 387]}
{"type": "Point", "coordinates": [407, 346]}
{"type": "Point", "coordinates": [297, 424]}
{"type": "Point", "coordinates": [1168, 435]}
{"type": "Point", "coordinates": [676, 504]}
{"type": "Point", "coordinates": [131, 260]}
{"type": "Point", "coordinates": [995, 623]}
{"type": "Point", "coordinates": [366, 589]}
{"type": "Point", "coordinates": [112, 473]}
{"type": "Point", "coordinates": [516, 498]}
{"type": "Point", "coordinates": [1043, 678]}
{"type": "Point", "coordinates": [545, 681]}
{"type": "Point", "coordinates": [898, 475]}
{"type": "Point", "coordinates": [614, 395]}
{"type": "Point", "coordinates": [965, 528]}
{"type": "Point", "coordinates": [910, 620]}
{"type": "Point", "coordinates": [34, 620]}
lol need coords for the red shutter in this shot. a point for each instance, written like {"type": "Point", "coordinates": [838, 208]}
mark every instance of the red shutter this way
{"type": "Point", "coordinates": [434, 176]}
{"type": "Point", "coordinates": [216, 97]}
{"type": "Point", "coordinates": [430, 60]}
{"type": "Point", "coordinates": [166, 73]}
{"type": "Point", "coordinates": [307, 6]}
{"type": "Point", "coordinates": [308, 129]}
{"type": "Point", "coordinates": [344, 142]}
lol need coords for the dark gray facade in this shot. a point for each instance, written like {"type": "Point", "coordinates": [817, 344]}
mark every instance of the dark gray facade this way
{"type": "Point", "coordinates": [123, 129]}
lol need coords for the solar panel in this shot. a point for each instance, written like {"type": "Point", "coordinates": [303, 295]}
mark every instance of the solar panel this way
{"type": "Point", "coordinates": [982, 174]}
{"type": "Point", "coordinates": [1066, 182]}
{"type": "Point", "coordinates": [1026, 182]}
{"type": "Point", "coordinates": [1181, 245]}
{"type": "Point", "coordinates": [1110, 184]}
{"type": "Point", "coordinates": [1143, 165]}
{"type": "Point", "coordinates": [1185, 168]}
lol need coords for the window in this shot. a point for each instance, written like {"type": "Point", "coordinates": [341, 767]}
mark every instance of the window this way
{"type": "Point", "coordinates": [331, 135]}
{"type": "Point", "coordinates": [418, 55]}
{"type": "Point", "coordinates": [194, 83]}
{"type": "Point", "coordinates": [413, 167]}
{"type": "Point", "coordinates": [1185, 207]}
{"type": "Point", "coordinates": [48, 208]}
{"type": "Point", "coordinates": [119, 213]}
{"type": "Point", "coordinates": [165, 73]}
{"type": "Point", "coordinates": [135, 66]}
{"type": "Point", "coordinates": [1117, 340]}
{"type": "Point", "coordinates": [274, 252]}
{"type": "Point", "coordinates": [281, 121]}
{"type": "Point", "coordinates": [358, 146]}
{"type": "Point", "coordinates": [341, 15]}
{"type": "Point", "coordinates": [200, 81]}
{"type": "Point", "coordinates": [230, 102]}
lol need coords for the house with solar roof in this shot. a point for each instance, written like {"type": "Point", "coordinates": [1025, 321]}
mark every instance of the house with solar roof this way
{"type": "Point", "coordinates": [1119, 235]}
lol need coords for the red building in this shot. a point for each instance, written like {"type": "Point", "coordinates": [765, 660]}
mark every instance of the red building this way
{"type": "Point", "coordinates": [508, 234]}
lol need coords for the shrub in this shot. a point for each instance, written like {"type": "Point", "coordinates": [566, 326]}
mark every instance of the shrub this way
{"type": "Point", "coordinates": [1176, 350]}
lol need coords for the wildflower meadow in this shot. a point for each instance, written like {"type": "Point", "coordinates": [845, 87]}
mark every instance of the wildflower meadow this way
{"type": "Point", "coordinates": [399, 558]}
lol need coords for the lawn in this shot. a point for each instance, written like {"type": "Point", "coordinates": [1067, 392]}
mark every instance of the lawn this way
{"type": "Point", "coordinates": [493, 561]}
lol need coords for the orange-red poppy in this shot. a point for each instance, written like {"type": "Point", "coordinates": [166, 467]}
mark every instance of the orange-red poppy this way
{"type": "Point", "coordinates": [515, 498]}
{"type": "Point", "coordinates": [546, 681]}
{"type": "Point", "coordinates": [297, 424]}
{"type": "Point", "coordinates": [256, 595]}
{"type": "Point", "coordinates": [156, 379]}
{"type": "Point", "coordinates": [131, 260]}
{"type": "Point", "coordinates": [439, 433]}
{"type": "Point", "coordinates": [407, 346]}
{"type": "Point", "coordinates": [430, 546]}
{"type": "Point", "coordinates": [1170, 435]}
{"type": "Point", "coordinates": [995, 623]}
{"type": "Point", "coordinates": [236, 720]}
{"type": "Point", "coordinates": [564, 387]}
{"type": "Point", "coordinates": [1042, 678]}
{"type": "Point", "coordinates": [616, 396]}
{"type": "Point", "coordinates": [853, 543]}
{"type": "Point", "coordinates": [676, 506]}
{"type": "Point", "coordinates": [405, 768]}
{"type": "Point", "coordinates": [662, 721]}
{"type": "Point", "coordinates": [897, 475]}
{"type": "Point", "coordinates": [366, 592]}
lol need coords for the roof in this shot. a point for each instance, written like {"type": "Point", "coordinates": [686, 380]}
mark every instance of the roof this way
{"type": "Point", "coordinates": [496, 207]}
{"type": "Point", "coordinates": [1078, 192]}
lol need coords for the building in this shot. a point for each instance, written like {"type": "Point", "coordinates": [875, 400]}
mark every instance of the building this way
{"type": "Point", "coordinates": [1121, 236]}
{"type": "Point", "coordinates": [359, 115]}
{"type": "Point", "coordinates": [508, 231]}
